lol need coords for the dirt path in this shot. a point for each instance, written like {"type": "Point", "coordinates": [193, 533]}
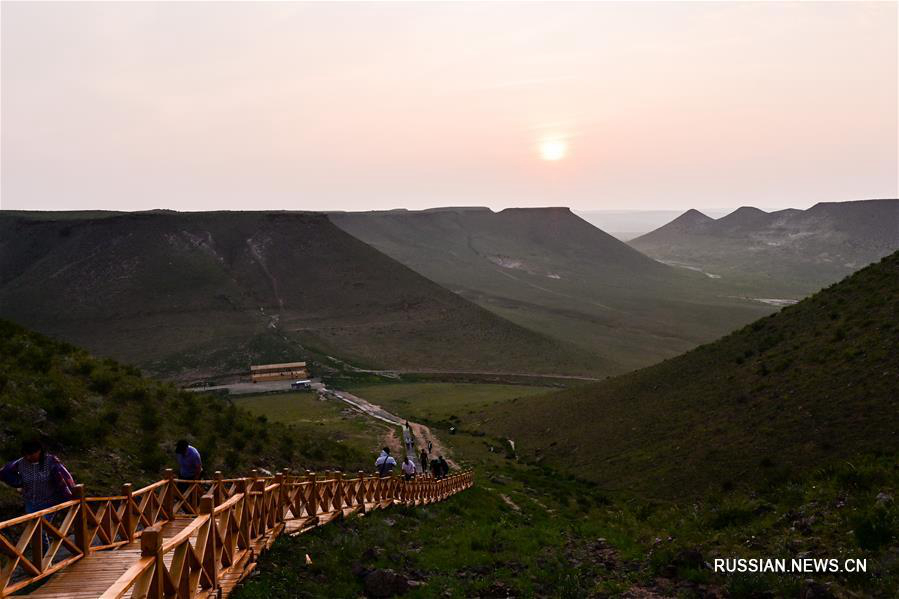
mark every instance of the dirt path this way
{"type": "Point", "coordinates": [422, 433]}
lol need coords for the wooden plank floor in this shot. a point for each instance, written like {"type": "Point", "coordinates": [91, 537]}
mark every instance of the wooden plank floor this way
{"type": "Point", "coordinates": [89, 577]}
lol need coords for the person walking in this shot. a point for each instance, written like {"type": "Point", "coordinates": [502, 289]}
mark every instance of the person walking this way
{"type": "Point", "coordinates": [409, 468]}
{"type": "Point", "coordinates": [408, 438]}
{"type": "Point", "coordinates": [42, 478]}
{"type": "Point", "coordinates": [435, 469]}
{"type": "Point", "coordinates": [190, 465]}
{"type": "Point", "coordinates": [444, 467]}
{"type": "Point", "coordinates": [430, 447]}
{"type": "Point", "coordinates": [423, 458]}
{"type": "Point", "coordinates": [385, 463]}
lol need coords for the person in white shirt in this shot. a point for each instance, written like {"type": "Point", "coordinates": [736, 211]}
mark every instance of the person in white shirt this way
{"type": "Point", "coordinates": [409, 468]}
{"type": "Point", "coordinates": [385, 463]}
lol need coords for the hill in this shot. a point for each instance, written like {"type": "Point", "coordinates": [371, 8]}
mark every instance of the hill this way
{"type": "Point", "coordinates": [549, 270]}
{"type": "Point", "coordinates": [788, 253]}
{"type": "Point", "coordinates": [197, 294]}
{"type": "Point", "coordinates": [109, 424]}
{"type": "Point", "coordinates": [788, 393]}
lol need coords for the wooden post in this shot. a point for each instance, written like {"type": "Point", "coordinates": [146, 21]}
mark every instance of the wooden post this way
{"type": "Point", "coordinates": [279, 499]}
{"type": "Point", "coordinates": [244, 536]}
{"type": "Point", "coordinates": [82, 535]}
{"type": "Point", "coordinates": [151, 546]}
{"type": "Point", "coordinates": [218, 487]}
{"type": "Point", "coordinates": [360, 492]}
{"type": "Point", "coordinates": [312, 504]}
{"type": "Point", "coordinates": [37, 544]}
{"type": "Point", "coordinates": [168, 497]}
{"type": "Point", "coordinates": [338, 491]}
{"type": "Point", "coordinates": [210, 561]}
{"type": "Point", "coordinates": [128, 513]}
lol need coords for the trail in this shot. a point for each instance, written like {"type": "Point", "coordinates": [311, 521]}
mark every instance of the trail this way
{"type": "Point", "coordinates": [422, 433]}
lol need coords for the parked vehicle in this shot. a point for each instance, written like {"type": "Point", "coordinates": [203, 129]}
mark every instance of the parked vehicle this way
{"type": "Point", "coordinates": [301, 385]}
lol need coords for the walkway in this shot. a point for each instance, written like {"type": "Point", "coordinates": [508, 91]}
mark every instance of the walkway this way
{"type": "Point", "coordinates": [186, 539]}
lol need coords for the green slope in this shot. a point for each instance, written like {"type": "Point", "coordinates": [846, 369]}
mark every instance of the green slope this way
{"type": "Point", "coordinates": [198, 294]}
{"type": "Point", "coordinates": [815, 382]}
{"type": "Point", "coordinates": [111, 425]}
{"type": "Point", "coordinates": [551, 271]}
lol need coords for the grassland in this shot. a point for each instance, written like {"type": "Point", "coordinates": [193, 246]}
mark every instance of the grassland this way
{"type": "Point", "coordinates": [530, 531]}
{"type": "Point", "coordinates": [445, 404]}
{"type": "Point", "coordinates": [190, 295]}
{"type": "Point", "coordinates": [110, 425]}
{"type": "Point", "coordinates": [552, 272]}
{"type": "Point", "coordinates": [810, 385]}
{"type": "Point", "coordinates": [311, 417]}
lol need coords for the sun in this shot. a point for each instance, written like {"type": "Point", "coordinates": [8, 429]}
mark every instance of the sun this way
{"type": "Point", "coordinates": [553, 149]}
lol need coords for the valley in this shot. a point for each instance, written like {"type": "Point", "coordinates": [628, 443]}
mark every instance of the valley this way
{"type": "Point", "coordinates": [550, 271]}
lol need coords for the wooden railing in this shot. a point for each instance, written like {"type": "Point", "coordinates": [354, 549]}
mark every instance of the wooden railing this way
{"type": "Point", "coordinates": [232, 521]}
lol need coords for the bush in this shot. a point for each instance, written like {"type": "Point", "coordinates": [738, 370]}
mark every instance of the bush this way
{"type": "Point", "coordinates": [874, 528]}
{"type": "Point", "coordinates": [733, 513]}
{"type": "Point", "coordinates": [102, 380]}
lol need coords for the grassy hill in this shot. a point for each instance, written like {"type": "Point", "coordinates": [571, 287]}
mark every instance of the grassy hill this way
{"type": "Point", "coordinates": [788, 253]}
{"type": "Point", "coordinates": [528, 531]}
{"type": "Point", "coordinates": [111, 425]}
{"type": "Point", "coordinates": [815, 383]}
{"type": "Point", "coordinates": [549, 270]}
{"type": "Point", "coordinates": [195, 294]}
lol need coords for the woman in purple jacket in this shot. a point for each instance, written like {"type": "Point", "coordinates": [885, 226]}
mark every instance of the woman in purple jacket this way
{"type": "Point", "coordinates": [42, 478]}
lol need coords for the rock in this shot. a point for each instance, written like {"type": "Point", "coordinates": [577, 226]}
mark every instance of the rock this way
{"type": "Point", "coordinates": [691, 558]}
{"type": "Point", "coordinates": [385, 583]}
{"type": "Point", "coordinates": [884, 499]}
{"type": "Point", "coordinates": [359, 570]}
{"type": "Point", "coordinates": [498, 590]}
{"type": "Point", "coordinates": [815, 590]}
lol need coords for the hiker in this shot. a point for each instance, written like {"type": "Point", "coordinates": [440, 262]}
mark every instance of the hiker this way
{"type": "Point", "coordinates": [41, 477]}
{"type": "Point", "coordinates": [423, 458]}
{"type": "Point", "coordinates": [444, 467]}
{"type": "Point", "coordinates": [190, 465]}
{"type": "Point", "coordinates": [435, 469]}
{"type": "Point", "coordinates": [408, 438]}
{"type": "Point", "coordinates": [409, 468]}
{"type": "Point", "coordinates": [430, 446]}
{"type": "Point", "coordinates": [385, 463]}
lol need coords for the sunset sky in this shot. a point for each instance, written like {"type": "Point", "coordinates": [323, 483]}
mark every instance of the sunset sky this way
{"type": "Point", "coordinates": [354, 106]}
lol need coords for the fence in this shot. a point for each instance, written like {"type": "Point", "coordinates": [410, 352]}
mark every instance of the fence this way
{"type": "Point", "coordinates": [228, 523]}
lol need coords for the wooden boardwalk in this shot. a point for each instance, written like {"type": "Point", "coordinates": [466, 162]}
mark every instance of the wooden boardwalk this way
{"type": "Point", "coordinates": [185, 539]}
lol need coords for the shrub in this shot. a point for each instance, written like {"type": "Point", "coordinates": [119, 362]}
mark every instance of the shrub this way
{"type": "Point", "coordinates": [874, 528]}
{"type": "Point", "coordinates": [733, 513]}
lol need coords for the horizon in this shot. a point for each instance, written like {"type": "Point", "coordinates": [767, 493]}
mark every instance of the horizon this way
{"type": "Point", "coordinates": [602, 107]}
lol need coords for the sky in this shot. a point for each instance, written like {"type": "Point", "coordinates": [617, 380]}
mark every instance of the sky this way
{"type": "Point", "coordinates": [362, 106]}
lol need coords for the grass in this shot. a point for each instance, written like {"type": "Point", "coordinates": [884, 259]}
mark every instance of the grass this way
{"type": "Point", "coordinates": [550, 271]}
{"type": "Point", "coordinates": [527, 531]}
{"type": "Point", "coordinates": [111, 425]}
{"type": "Point", "coordinates": [807, 386]}
{"type": "Point", "coordinates": [192, 295]}
{"type": "Point", "coordinates": [312, 417]}
{"type": "Point", "coordinates": [445, 404]}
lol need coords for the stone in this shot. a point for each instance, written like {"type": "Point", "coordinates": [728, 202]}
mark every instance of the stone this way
{"type": "Point", "coordinates": [812, 589]}
{"type": "Point", "coordinates": [385, 583]}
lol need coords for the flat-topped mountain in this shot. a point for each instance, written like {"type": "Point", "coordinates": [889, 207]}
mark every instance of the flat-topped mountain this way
{"type": "Point", "coordinates": [195, 294]}
{"type": "Point", "coordinates": [549, 270]}
{"type": "Point", "coordinates": [788, 251]}
{"type": "Point", "coordinates": [811, 384]}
